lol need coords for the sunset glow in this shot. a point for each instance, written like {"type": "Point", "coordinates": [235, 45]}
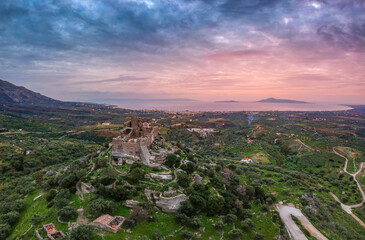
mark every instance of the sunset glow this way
{"type": "Point", "coordinates": [204, 50]}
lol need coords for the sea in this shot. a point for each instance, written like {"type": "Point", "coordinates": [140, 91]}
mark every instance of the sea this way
{"type": "Point", "coordinates": [201, 106]}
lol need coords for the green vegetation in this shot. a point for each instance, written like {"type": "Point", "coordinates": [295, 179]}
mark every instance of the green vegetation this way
{"type": "Point", "coordinates": [44, 164]}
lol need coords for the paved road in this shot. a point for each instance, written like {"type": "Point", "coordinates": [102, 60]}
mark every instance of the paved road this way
{"type": "Point", "coordinates": [294, 232]}
{"type": "Point", "coordinates": [347, 208]}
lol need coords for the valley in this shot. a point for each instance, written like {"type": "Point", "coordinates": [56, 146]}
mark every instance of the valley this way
{"type": "Point", "coordinates": [67, 173]}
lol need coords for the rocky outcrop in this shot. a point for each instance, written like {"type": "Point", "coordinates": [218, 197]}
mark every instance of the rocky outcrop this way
{"type": "Point", "coordinates": [196, 179]}
{"type": "Point", "coordinates": [85, 188]}
{"type": "Point", "coordinates": [131, 203]}
{"type": "Point", "coordinates": [169, 193]}
{"type": "Point", "coordinates": [165, 204]}
{"type": "Point", "coordinates": [170, 204]}
{"type": "Point", "coordinates": [167, 176]}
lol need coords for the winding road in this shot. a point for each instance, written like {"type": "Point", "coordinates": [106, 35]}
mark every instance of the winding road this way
{"type": "Point", "coordinates": [347, 208]}
{"type": "Point", "coordinates": [286, 212]}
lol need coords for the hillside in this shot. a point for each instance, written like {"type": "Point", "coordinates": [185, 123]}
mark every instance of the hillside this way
{"type": "Point", "coordinates": [68, 169]}
{"type": "Point", "coordinates": [12, 94]}
{"type": "Point", "coordinates": [276, 100]}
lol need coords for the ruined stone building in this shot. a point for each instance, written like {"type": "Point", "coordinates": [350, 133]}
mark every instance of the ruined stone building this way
{"type": "Point", "coordinates": [109, 223]}
{"type": "Point", "coordinates": [135, 140]}
{"type": "Point", "coordinates": [52, 232]}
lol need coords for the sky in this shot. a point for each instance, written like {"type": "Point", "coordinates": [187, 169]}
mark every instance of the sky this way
{"type": "Point", "coordinates": [206, 50]}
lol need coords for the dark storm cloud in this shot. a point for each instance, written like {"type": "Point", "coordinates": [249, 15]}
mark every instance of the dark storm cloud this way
{"type": "Point", "coordinates": [247, 7]}
{"type": "Point", "coordinates": [140, 39]}
{"type": "Point", "coordinates": [350, 37]}
{"type": "Point", "coordinates": [107, 26]}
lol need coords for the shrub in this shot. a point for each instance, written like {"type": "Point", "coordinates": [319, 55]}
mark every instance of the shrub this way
{"type": "Point", "coordinates": [259, 236]}
{"type": "Point", "coordinates": [139, 214]}
{"type": "Point", "coordinates": [247, 224]}
{"type": "Point", "coordinates": [187, 208]}
{"type": "Point", "coordinates": [265, 208]}
{"type": "Point", "coordinates": [183, 179]}
{"type": "Point", "coordinates": [172, 160]}
{"type": "Point", "coordinates": [82, 232]}
{"type": "Point", "coordinates": [36, 219]}
{"type": "Point", "coordinates": [137, 174]}
{"type": "Point", "coordinates": [219, 226]}
{"type": "Point", "coordinates": [182, 219]}
{"type": "Point", "coordinates": [215, 205]}
{"type": "Point", "coordinates": [38, 177]}
{"type": "Point", "coordinates": [67, 213]}
{"type": "Point", "coordinates": [60, 203]}
{"type": "Point", "coordinates": [195, 223]}
{"type": "Point", "coordinates": [10, 218]}
{"type": "Point", "coordinates": [16, 205]}
{"type": "Point", "coordinates": [187, 235]}
{"type": "Point", "coordinates": [51, 195]}
{"type": "Point", "coordinates": [69, 181]}
{"type": "Point", "coordinates": [235, 234]}
{"type": "Point", "coordinates": [130, 223]}
{"type": "Point", "coordinates": [99, 206]}
{"type": "Point", "coordinates": [245, 213]}
{"type": "Point", "coordinates": [5, 230]}
{"type": "Point", "coordinates": [189, 167]}
{"type": "Point", "coordinates": [157, 235]}
{"type": "Point", "coordinates": [230, 219]}
{"type": "Point", "coordinates": [63, 193]}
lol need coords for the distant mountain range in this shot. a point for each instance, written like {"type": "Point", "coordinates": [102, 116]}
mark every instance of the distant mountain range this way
{"type": "Point", "coordinates": [12, 94]}
{"type": "Point", "coordinates": [109, 100]}
{"type": "Point", "coordinates": [276, 100]}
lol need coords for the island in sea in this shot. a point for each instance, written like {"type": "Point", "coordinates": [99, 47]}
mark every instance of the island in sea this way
{"type": "Point", "coordinates": [276, 100]}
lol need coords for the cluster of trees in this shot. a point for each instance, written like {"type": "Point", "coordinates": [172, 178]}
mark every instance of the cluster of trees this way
{"type": "Point", "coordinates": [10, 208]}
{"type": "Point", "coordinates": [99, 206]}
{"type": "Point", "coordinates": [12, 203]}
{"type": "Point", "coordinates": [223, 195]}
{"type": "Point", "coordinates": [60, 200]}
{"type": "Point", "coordinates": [16, 161]}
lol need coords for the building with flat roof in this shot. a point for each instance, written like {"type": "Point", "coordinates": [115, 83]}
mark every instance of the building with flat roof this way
{"type": "Point", "coordinates": [109, 223]}
{"type": "Point", "coordinates": [52, 232]}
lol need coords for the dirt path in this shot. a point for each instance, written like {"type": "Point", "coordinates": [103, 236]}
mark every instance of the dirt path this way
{"type": "Point", "coordinates": [79, 191]}
{"type": "Point", "coordinates": [71, 133]}
{"type": "Point", "coordinates": [347, 208]}
{"type": "Point", "coordinates": [294, 232]}
{"type": "Point", "coordinates": [81, 219]}
{"type": "Point", "coordinates": [305, 145]}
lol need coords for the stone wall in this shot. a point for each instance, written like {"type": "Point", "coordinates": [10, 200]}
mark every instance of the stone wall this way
{"type": "Point", "coordinates": [170, 204]}
{"type": "Point", "coordinates": [135, 140]}
{"type": "Point", "coordinates": [131, 148]}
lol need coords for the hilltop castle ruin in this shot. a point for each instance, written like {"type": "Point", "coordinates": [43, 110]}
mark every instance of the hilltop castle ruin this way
{"type": "Point", "coordinates": [135, 140]}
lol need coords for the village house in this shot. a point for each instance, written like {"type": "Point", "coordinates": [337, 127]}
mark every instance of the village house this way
{"type": "Point", "coordinates": [109, 223]}
{"type": "Point", "coordinates": [247, 160]}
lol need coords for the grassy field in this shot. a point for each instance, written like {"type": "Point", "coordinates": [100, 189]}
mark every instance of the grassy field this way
{"type": "Point", "coordinates": [38, 207]}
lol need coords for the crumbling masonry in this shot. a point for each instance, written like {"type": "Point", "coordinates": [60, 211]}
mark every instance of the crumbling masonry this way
{"type": "Point", "coordinates": [135, 140]}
